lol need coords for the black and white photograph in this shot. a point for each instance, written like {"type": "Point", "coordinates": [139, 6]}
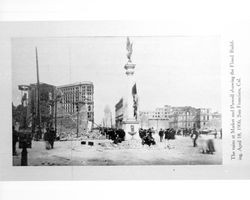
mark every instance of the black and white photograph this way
{"type": "Point", "coordinates": [116, 100]}
{"type": "Point", "coordinates": [124, 99]}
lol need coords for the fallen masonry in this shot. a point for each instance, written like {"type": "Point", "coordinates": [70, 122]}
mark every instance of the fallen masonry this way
{"type": "Point", "coordinates": [71, 135]}
{"type": "Point", "coordinates": [109, 144]}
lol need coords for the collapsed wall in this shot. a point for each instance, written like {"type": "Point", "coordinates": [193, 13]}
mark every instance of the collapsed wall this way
{"type": "Point", "coordinates": [67, 123]}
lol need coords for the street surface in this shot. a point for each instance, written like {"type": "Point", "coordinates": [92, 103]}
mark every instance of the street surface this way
{"type": "Point", "coordinates": [72, 153]}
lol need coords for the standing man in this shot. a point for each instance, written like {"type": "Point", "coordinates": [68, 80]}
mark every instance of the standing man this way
{"type": "Point", "coordinates": [166, 133]}
{"type": "Point", "coordinates": [52, 137]}
{"type": "Point", "coordinates": [14, 141]}
{"type": "Point", "coordinates": [161, 133]}
{"type": "Point", "coordinates": [195, 136]}
{"type": "Point", "coordinates": [46, 139]}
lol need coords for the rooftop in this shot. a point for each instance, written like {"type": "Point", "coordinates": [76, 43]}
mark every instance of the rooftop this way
{"type": "Point", "coordinates": [41, 84]}
{"type": "Point", "coordinates": [76, 84]}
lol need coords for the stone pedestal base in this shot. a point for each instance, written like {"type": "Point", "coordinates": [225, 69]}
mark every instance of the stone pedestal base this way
{"type": "Point", "coordinates": [131, 129]}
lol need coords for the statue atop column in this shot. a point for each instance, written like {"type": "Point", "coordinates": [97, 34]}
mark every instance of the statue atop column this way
{"type": "Point", "coordinates": [130, 122]}
{"type": "Point", "coordinates": [130, 49]}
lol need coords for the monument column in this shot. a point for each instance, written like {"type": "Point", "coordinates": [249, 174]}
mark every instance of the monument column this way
{"type": "Point", "coordinates": [130, 122]}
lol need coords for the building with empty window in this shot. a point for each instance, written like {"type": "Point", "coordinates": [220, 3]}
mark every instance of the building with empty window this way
{"type": "Point", "coordinates": [46, 110]}
{"type": "Point", "coordinates": [183, 117]}
{"type": "Point", "coordinates": [157, 119]}
{"type": "Point", "coordinates": [204, 117]}
{"type": "Point", "coordinates": [77, 95]}
{"type": "Point", "coordinates": [119, 113]}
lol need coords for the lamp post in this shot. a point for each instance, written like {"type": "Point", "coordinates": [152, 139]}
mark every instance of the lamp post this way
{"type": "Point", "coordinates": [24, 89]}
{"type": "Point", "coordinates": [25, 137]}
{"type": "Point", "coordinates": [38, 117]}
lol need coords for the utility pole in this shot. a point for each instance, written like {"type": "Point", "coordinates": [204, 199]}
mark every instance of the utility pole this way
{"type": "Point", "coordinates": [38, 97]}
{"type": "Point", "coordinates": [186, 119]}
{"type": "Point", "coordinates": [77, 114]}
{"type": "Point", "coordinates": [57, 98]}
{"type": "Point", "coordinates": [77, 120]}
{"type": "Point", "coordinates": [56, 116]}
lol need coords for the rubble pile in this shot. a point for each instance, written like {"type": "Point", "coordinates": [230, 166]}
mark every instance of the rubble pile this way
{"type": "Point", "coordinates": [71, 135]}
{"type": "Point", "coordinates": [65, 136]}
{"type": "Point", "coordinates": [130, 144]}
{"type": "Point", "coordinates": [95, 135]}
{"type": "Point", "coordinates": [108, 145]}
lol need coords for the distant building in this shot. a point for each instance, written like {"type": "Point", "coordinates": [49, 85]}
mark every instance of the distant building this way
{"type": "Point", "coordinates": [119, 113]}
{"type": "Point", "coordinates": [78, 94]}
{"type": "Point", "coordinates": [183, 117]}
{"type": "Point", "coordinates": [159, 118]}
{"type": "Point", "coordinates": [215, 122]}
{"type": "Point", "coordinates": [204, 117]}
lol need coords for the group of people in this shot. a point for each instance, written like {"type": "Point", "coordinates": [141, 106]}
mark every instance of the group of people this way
{"type": "Point", "coordinates": [168, 134]}
{"type": "Point", "coordinates": [117, 135]}
{"type": "Point", "coordinates": [146, 136]}
{"type": "Point", "coordinates": [165, 135]}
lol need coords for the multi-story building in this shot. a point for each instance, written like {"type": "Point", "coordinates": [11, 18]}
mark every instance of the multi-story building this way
{"type": "Point", "coordinates": [159, 118]}
{"type": "Point", "coordinates": [119, 112]}
{"type": "Point", "coordinates": [204, 117]}
{"type": "Point", "coordinates": [74, 96]}
{"type": "Point", "coordinates": [215, 122]}
{"type": "Point", "coordinates": [158, 114]}
{"type": "Point", "coordinates": [183, 117]}
{"type": "Point", "coordinates": [46, 109]}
